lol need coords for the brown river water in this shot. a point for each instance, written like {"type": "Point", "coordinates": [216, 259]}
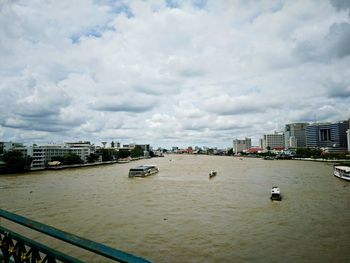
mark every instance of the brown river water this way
{"type": "Point", "coordinates": [179, 215]}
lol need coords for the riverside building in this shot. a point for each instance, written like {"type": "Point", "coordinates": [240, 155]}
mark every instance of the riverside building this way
{"type": "Point", "coordinates": [43, 154]}
{"type": "Point", "coordinates": [273, 141]}
{"type": "Point", "coordinates": [330, 137]}
{"type": "Point", "coordinates": [242, 145]}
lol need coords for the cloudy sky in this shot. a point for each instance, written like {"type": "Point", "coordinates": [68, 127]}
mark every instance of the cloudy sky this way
{"type": "Point", "coordinates": [170, 73]}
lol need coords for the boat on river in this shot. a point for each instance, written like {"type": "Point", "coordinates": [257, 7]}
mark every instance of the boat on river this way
{"type": "Point", "coordinates": [342, 172]}
{"type": "Point", "coordinates": [143, 171]}
{"type": "Point", "coordinates": [212, 174]}
{"type": "Point", "coordinates": [276, 194]}
{"type": "Point", "coordinates": [124, 160]}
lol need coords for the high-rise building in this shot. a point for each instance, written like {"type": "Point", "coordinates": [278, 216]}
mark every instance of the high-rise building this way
{"type": "Point", "coordinates": [348, 136]}
{"type": "Point", "coordinates": [241, 145]}
{"type": "Point", "coordinates": [348, 139]}
{"type": "Point", "coordinates": [328, 136]}
{"type": "Point", "coordinates": [294, 135]}
{"type": "Point", "coordinates": [273, 141]}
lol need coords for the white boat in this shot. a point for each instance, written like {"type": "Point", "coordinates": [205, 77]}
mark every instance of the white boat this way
{"type": "Point", "coordinates": [212, 174]}
{"type": "Point", "coordinates": [124, 160]}
{"type": "Point", "coordinates": [143, 171]}
{"type": "Point", "coordinates": [276, 194]}
{"type": "Point", "coordinates": [342, 172]}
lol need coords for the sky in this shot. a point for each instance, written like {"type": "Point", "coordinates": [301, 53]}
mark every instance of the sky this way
{"type": "Point", "coordinates": [170, 73]}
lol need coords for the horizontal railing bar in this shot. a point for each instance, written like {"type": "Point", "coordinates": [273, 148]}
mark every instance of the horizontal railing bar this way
{"type": "Point", "coordinates": [75, 240]}
{"type": "Point", "coordinates": [40, 247]}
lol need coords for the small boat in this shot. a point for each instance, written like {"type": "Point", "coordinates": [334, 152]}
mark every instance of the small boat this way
{"type": "Point", "coordinates": [124, 160]}
{"type": "Point", "coordinates": [143, 171]}
{"type": "Point", "coordinates": [276, 194]}
{"type": "Point", "coordinates": [212, 174]}
{"type": "Point", "coordinates": [342, 172]}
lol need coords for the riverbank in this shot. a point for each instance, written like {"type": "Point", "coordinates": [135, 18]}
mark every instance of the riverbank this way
{"type": "Point", "coordinates": [62, 167]}
{"type": "Point", "coordinates": [323, 160]}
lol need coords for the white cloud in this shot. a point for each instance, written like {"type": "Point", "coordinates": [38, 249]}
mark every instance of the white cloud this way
{"type": "Point", "coordinates": [170, 72]}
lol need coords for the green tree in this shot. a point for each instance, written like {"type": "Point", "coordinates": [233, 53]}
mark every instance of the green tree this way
{"type": "Point", "coordinates": [230, 152]}
{"type": "Point", "coordinates": [15, 161]}
{"type": "Point", "coordinates": [123, 153]}
{"type": "Point", "coordinates": [93, 157]}
{"type": "Point", "coordinates": [136, 152]}
{"type": "Point", "coordinates": [72, 158]}
{"type": "Point", "coordinates": [309, 152]}
{"type": "Point", "coordinates": [107, 155]}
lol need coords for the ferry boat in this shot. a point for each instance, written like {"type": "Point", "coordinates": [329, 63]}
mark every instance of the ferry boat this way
{"type": "Point", "coordinates": [143, 171]}
{"type": "Point", "coordinates": [276, 194]}
{"type": "Point", "coordinates": [342, 172]}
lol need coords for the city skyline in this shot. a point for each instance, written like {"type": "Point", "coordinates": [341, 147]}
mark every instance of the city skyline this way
{"type": "Point", "coordinates": [170, 73]}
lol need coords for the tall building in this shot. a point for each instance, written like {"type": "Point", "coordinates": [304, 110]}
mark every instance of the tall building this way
{"type": "Point", "coordinates": [328, 136]}
{"type": "Point", "coordinates": [273, 141]}
{"type": "Point", "coordinates": [348, 139]}
{"type": "Point", "coordinates": [295, 135]}
{"type": "Point", "coordinates": [241, 145]}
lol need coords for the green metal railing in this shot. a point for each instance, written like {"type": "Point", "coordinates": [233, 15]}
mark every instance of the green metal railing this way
{"type": "Point", "coordinates": [17, 248]}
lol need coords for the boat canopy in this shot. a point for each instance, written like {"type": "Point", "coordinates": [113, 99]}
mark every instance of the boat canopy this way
{"type": "Point", "coordinates": [142, 168]}
{"type": "Point", "coordinates": [275, 190]}
{"type": "Point", "coordinates": [343, 168]}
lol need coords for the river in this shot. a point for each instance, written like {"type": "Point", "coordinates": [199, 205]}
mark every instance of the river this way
{"type": "Point", "coordinates": [179, 215]}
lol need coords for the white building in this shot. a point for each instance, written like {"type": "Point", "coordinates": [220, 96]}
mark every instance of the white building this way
{"type": "Point", "coordinates": [241, 145]}
{"type": "Point", "coordinates": [82, 148]}
{"type": "Point", "coordinates": [293, 142]}
{"type": "Point", "coordinates": [43, 154]}
{"type": "Point", "coordinates": [273, 141]}
{"type": "Point", "coordinates": [38, 156]}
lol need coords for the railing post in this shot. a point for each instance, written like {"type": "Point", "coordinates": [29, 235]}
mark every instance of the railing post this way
{"type": "Point", "coordinates": [5, 247]}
